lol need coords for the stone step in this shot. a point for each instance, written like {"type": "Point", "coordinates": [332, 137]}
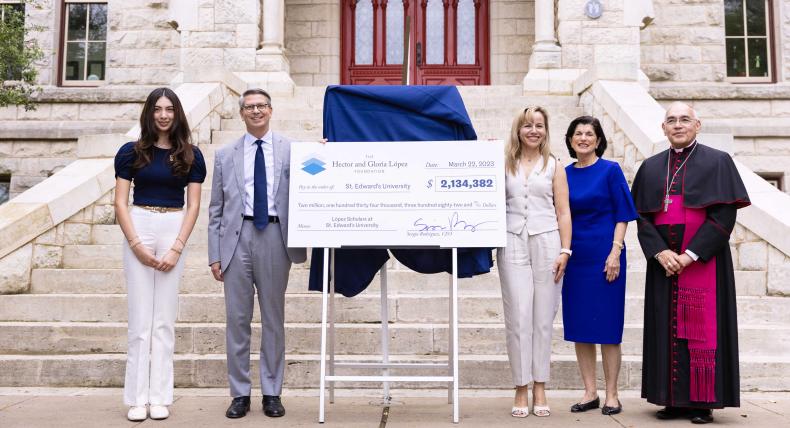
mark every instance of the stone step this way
{"type": "Point", "coordinates": [306, 97]}
{"type": "Point", "coordinates": [305, 338]}
{"type": "Point", "coordinates": [491, 109]}
{"type": "Point", "coordinates": [485, 108]}
{"type": "Point", "coordinates": [306, 307]}
{"type": "Point", "coordinates": [110, 234]}
{"type": "Point", "coordinates": [400, 280]}
{"type": "Point", "coordinates": [111, 255]}
{"type": "Point", "coordinates": [302, 371]}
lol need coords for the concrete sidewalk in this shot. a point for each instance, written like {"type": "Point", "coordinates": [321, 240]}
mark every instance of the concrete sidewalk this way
{"type": "Point", "coordinates": [198, 408]}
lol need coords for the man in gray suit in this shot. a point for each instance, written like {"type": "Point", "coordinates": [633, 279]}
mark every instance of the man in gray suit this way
{"type": "Point", "coordinates": [248, 249]}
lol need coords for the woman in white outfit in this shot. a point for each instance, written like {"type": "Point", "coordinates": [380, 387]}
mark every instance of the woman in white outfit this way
{"type": "Point", "coordinates": [533, 262]}
{"type": "Point", "coordinates": [160, 164]}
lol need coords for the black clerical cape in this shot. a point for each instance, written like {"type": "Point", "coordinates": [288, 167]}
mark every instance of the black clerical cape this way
{"type": "Point", "coordinates": [707, 182]}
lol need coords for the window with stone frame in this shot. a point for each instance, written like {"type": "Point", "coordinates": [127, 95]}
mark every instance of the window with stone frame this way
{"type": "Point", "coordinates": [5, 188]}
{"type": "Point", "coordinates": [12, 10]}
{"type": "Point", "coordinates": [9, 7]}
{"type": "Point", "coordinates": [83, 56]}
{"type": "Point", "coordinates": [747, 25]}
{"type": "Point", "coordinates": [775, 179]}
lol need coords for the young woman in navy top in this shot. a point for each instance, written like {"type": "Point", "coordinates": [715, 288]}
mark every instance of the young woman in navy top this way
{"type": "Point", "coordinates": [160, 164]}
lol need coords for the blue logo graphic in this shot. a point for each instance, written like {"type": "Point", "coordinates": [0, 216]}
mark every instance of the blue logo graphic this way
{"type": "Point", "coordinates": [313, 166]}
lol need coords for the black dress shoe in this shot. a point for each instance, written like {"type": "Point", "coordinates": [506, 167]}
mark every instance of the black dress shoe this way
{"type": "Point", "coordinates": [609, 410]}
{"type": "Point", "coordinates": [701, 416]}
{"type": "Point", "coordinates": [583, 407]}
{"type": "Point", "coordinates": [672, 413]}
{"type": "Point", "coordinates": [238, 407]}
{"type": "Point", "coordinates": [272, 406]}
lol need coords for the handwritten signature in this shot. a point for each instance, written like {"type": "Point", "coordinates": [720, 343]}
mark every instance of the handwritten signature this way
{"type": "Point", "coordinates": [454, 222]}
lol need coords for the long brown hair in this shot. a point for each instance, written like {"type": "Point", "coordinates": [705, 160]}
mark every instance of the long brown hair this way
{"type": "Point", "coordinates": [181, 154]}
{"type": "Point", "coordinates": [513, 146]}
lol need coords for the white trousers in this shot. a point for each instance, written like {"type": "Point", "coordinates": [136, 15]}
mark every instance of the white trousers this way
{"type": "Point", "coordinates": [153, 306]}
{"type": "Point", "coordinates": [530, 298]}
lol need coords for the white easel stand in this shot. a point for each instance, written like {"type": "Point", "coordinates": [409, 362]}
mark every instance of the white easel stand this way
{"type": "Point", "coordinates": [328, 306]}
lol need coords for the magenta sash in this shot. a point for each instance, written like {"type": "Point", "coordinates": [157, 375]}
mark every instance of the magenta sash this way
{"type": "Point", "coordinates": [696, 305]}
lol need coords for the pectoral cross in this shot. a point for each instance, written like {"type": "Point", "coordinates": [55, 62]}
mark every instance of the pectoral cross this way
{"type": "Point", "coordinates": [667, 201]}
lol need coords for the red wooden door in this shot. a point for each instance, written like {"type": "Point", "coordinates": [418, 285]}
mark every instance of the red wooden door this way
{"type": "Point", "coordinates": [449, 42]}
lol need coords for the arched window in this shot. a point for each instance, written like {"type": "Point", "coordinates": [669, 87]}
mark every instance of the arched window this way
{"type": "Point", "coordinates": [747, 25]}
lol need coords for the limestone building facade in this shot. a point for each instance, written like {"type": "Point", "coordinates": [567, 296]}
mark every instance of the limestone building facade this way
{"type": "Point", "coordinates": [730, 58]}
{"type": "Point", "coordinates": [619, 60]}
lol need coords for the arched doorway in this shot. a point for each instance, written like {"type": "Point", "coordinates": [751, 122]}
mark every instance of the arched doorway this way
{"type": "Point", "coordinates": [449, 42]}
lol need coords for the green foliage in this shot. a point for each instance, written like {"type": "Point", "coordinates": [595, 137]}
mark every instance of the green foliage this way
{"type": "Point", "coordinates": [17, 60]}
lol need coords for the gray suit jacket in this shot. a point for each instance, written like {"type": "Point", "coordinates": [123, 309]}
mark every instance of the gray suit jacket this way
{"type": "Point", "coordinates": [226, 209]}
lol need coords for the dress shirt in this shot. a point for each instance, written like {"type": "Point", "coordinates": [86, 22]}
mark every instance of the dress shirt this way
{"type": "Point", "coordinates": [249, 171]}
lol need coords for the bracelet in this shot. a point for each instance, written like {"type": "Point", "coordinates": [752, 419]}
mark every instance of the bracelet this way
{"type": "Point", "coordinates": [618, 244]}
{"type": "Point", "coordinates": [131, 246]}
{"type": "Point", "coordinates": [566, 251]}
{"type": "Point", "coordinates": [133, 239]}
{"type": "Point", "coordinates": [173, 249]}
{"type": "Point", "coordinates": [182, 242]}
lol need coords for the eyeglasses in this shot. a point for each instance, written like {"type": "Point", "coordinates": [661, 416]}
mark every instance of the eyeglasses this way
{"type": "Point", "coordinates": [249, 108]}
{"type": "Point", "coordinates": [685, 121]}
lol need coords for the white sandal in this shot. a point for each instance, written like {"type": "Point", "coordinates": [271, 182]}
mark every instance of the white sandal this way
{"type": "Point", "coordinates": [519, 412]}
{"type": "Point", "coordinates": [541, 411]}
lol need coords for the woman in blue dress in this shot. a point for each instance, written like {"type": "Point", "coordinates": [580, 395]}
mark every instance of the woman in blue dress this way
{"type": "Point", "coordinates": [593, 296]}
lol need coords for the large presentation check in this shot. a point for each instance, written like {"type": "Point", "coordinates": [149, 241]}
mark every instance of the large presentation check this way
{"type": "Point", "coordinates": [423, 193]}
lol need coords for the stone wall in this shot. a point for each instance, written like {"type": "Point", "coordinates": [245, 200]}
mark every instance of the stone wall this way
{"type": "Point", "coordinates": [227, 35]}
{"type": "Point", "coordinates": [46, 251]}
{"type": "Point", "coordinates": [30, 162]}
{"type": "Point", "coordinates": [35, 144]}
{"type": "Point", "coordinates": [512, 27]}
{"type": "Point", "coordinates": [586, 41]}
{"type": "Point", "coordinates": [42, 16]}
{"type": "Point", "coordinates": [142, 47]}
{"type": "Point", "coordinates": [782, 21]}
{"type": "Point", "coordinates": [312, 41]}
{"type": "Point", "coordinates": [685, 42]}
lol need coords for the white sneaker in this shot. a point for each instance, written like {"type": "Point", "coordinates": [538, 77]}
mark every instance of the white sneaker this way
{"type": "Point", "coordinates": [137, 413]}
{"type": "Point", "coordinates": [158, 412]}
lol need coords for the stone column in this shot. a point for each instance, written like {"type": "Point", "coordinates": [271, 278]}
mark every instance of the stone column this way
{"type": "Point", "coordinates": [273, 19]}
{"type": "Point", "coordinates": [546, 53]}
{"type": "Point", "coordinates": [271, 56]}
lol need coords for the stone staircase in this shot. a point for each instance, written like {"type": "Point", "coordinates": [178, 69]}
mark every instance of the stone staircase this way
{"type": "Point", "coordinates": [70, 329]}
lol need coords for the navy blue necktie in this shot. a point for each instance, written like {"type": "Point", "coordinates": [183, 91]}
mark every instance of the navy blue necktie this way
{"type": "Point", "coordinates": [260, 200]}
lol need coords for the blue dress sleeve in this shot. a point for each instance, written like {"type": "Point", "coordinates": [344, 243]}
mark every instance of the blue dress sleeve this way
{"type": "Point", "coordinates": [197, 173]}
{"type": "Point", "coordinates": [624, 209]}
{"type": "Point", "coordinates": [124, 160]}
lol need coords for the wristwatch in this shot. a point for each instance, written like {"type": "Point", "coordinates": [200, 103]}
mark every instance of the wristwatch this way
{"type": "Point", "coordinates": [566, 251]}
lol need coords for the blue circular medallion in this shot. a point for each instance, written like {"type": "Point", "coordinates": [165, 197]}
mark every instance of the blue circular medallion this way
{"type": "Point", "coordinates": [593, 9]}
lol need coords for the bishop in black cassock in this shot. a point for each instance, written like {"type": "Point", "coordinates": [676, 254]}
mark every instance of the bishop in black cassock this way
{"type": "Point", "coordinates": [687, 199]}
